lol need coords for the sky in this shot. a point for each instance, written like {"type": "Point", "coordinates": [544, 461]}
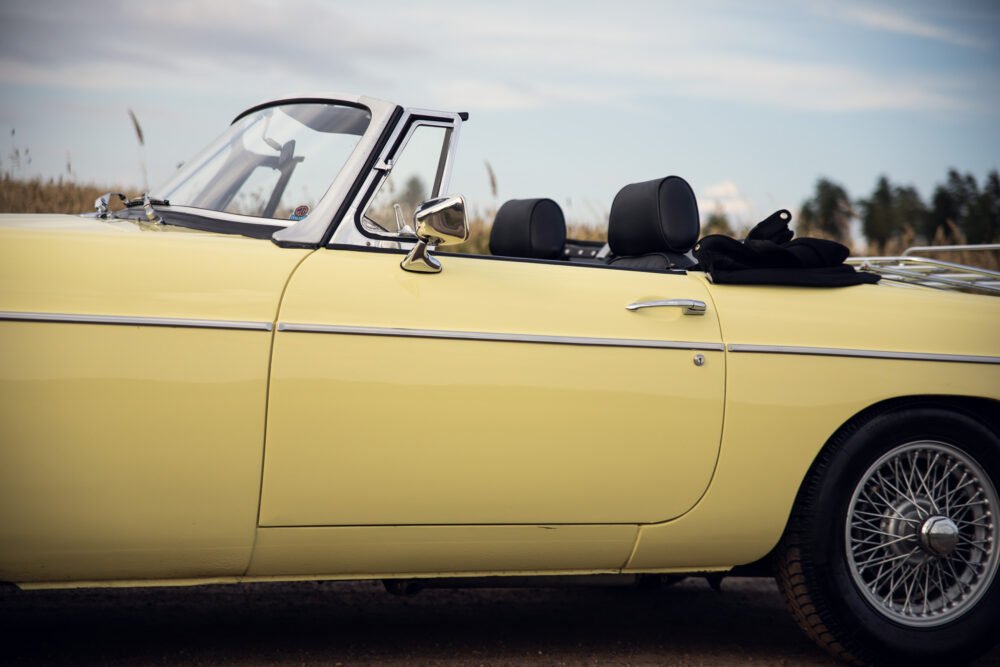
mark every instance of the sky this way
{"type": "Point", "coordinates": [750, 102]}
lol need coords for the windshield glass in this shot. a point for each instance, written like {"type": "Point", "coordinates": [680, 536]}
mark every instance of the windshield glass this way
{"type": "Point", "coordinates": [271, 163]}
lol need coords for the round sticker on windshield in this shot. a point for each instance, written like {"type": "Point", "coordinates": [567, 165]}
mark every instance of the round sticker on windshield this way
{"type": "Point", "coordinates": [299, 212]}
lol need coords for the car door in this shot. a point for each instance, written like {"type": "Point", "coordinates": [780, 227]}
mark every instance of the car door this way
{"type": "Point", "coordinates": [496, 392]}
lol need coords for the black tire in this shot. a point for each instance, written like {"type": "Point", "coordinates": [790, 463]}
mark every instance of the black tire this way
{"type": "Point", "coordinates": [833, 577]}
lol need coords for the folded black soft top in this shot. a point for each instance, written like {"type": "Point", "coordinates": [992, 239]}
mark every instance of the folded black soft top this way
{"type": "Point", "coordinates": [769, 256]}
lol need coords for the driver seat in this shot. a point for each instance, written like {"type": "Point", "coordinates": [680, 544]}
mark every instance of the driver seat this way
{"type": "Point", "coordinates": [654, 225]}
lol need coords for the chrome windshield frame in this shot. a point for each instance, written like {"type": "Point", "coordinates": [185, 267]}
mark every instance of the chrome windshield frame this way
{"type": "Point", "coordinates": [348, 231]}
{"type": "Point", "coordinates": [352, 187]}
{"type": "Point", "coordinates": [312, 230]}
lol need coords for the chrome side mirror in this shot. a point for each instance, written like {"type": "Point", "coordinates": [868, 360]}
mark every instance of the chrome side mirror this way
{"type": "Point", "coordinates": [438, 221]}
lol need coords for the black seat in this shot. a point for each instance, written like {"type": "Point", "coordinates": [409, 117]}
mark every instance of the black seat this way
{"type": "Point", "coordinates": [653, 225]}
{"type": "Point", "coordinates": [532, 228]}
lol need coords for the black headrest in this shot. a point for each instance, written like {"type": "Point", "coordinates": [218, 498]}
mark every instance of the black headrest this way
{"type": "Point", "coordinates": [654, 216]}
{"type": "Point", "coordinates": [532, 228]}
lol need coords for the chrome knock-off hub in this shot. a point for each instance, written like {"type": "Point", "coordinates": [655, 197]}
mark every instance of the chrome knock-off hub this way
{"type": "Point", "coordinates": [939, 536]}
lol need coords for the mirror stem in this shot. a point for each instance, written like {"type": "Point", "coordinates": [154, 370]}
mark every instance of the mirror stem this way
{"type": "Point", "coordinates": [420, 260]}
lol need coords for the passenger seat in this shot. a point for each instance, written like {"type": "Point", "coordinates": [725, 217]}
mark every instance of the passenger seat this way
{"type": "Point", "coordinates": [530, 228]}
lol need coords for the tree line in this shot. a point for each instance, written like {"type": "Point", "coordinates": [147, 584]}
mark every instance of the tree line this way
{"type": "Point", "coordinates": [959, 210]}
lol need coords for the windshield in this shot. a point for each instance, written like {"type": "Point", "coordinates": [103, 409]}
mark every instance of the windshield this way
{"type": "Point", "coordinates": [276, 162]}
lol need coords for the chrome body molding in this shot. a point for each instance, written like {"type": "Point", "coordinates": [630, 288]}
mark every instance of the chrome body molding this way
{"type": "Point", "coordinates": [190, 323]}
{"type": "Point", "coordinates": [864, 354]}
{"type": "Point", "coordinates": [194, 323]}
{"type": "Point", "coordinates": [498, 337]}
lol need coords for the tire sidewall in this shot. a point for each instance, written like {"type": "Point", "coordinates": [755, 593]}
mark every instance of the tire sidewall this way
{"type": "Point", "coordinates": [966, 635]}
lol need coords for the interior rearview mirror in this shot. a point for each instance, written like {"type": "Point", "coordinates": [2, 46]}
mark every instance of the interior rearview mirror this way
{"type": "Point", "coordinates": [437, 222]}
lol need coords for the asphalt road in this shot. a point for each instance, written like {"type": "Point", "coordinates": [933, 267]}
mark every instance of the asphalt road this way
{"type": "Point", "coordinates": [358, 623]}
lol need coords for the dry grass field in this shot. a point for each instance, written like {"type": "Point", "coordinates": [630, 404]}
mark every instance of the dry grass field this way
{"type": "Point", "coordinates": [51, 196]}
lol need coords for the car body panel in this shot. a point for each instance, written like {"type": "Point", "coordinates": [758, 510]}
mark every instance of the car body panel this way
{"type": "Point", "coordinates": [882, 317]}
{"type": "Point", "coordinates": [776, 423]}
{"type": "Point", "coordinates": [131, 451]}
{"type": "Point", "coordinates": [430, 430]}
{"type": "Point", "coordinates": [778, 416]}
{"type": "Point", "coordinates": [78, 265]}
{"type": "Point", "coordinates": [129, 463]}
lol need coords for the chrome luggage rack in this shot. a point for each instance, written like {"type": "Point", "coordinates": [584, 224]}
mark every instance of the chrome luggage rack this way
{"type": "Point", "coordinates": [912, 269]}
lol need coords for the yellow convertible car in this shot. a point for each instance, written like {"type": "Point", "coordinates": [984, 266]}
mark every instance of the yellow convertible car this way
{"type": "Point", "coordinates": [272, 369]}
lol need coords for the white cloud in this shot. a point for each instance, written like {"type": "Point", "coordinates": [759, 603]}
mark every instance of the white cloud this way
{"type": "Point", "coordinates": [491, 95]}
{"type": "Point", "coordinates": [895, 22]}
{"type": "Point", "coordinates": [801, 85]}
{"type": "Point", "coordinates": [503, 96]}
{"type": "Point", "coordinates": [725, 197]}
{"type": "Point", "coordinates": [223, 43]}
{"type": "Point", "coordinates": [695, 55]}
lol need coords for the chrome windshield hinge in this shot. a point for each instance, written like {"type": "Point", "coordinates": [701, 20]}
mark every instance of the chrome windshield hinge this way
{"type": "Point", "coordinates": [102, 203]}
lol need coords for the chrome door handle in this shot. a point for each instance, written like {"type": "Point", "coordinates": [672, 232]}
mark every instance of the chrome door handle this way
{"type": "Point", "coordinates": [690, 306]}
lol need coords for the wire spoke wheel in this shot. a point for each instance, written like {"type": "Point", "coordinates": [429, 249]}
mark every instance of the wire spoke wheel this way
{"type": "Point", "coordinates": [921, 533]}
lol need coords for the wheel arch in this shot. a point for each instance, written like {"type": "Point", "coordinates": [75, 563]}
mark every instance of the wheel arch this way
{"type": "Point", "coordinates": [984, 410]}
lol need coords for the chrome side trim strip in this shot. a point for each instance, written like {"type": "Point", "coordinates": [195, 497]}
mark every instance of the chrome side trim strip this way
{"type": "Point", "coordinates": [865, 354]}
{"type": "Point", "coordinates": [501, 337]}
{"type": "Point", "coordinates": [135, 321]}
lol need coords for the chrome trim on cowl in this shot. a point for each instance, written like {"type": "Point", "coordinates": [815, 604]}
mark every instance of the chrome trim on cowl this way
{"type": "Point", "coordinates": [498, 337]}
{"type": "Point", "coordinates": [864, 354]}
{"type": "Point", "coordinates": [190, 323]}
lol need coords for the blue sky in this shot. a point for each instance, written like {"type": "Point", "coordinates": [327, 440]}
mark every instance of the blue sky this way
{"type": "Point", "coordinates": [751, 102]}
